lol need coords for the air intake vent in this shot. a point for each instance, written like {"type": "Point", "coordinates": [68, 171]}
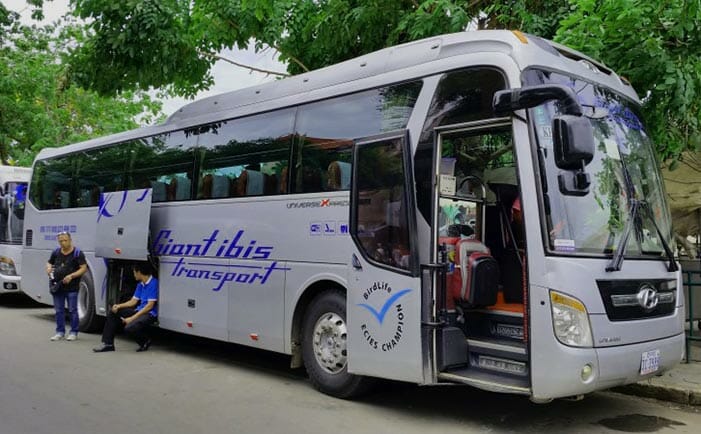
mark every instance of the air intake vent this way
{"type": "Point", "coordinates": [28, 238]}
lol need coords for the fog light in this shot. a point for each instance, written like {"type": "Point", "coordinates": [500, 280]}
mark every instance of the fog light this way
{"type": "Point", "coordinates": [587, 373]}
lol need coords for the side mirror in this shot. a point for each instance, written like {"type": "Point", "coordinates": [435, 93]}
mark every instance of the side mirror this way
{"type": "Point", "coordinates": [573, 142]}
{"type": "Point", "coordinates": [573, 138]}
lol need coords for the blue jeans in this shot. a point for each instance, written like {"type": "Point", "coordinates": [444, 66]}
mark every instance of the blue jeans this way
{"type": "Point", "coordinates": [60, 305]}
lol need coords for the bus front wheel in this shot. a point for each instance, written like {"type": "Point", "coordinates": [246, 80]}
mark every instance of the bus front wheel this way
{"type": "Point", "coordinates": [86, 304]}
{"type": "Point", "coordinates": [324, 347]}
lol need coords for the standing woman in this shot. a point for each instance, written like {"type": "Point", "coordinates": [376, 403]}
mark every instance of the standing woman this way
{"type": "Point", "coordinates": [65, 266]}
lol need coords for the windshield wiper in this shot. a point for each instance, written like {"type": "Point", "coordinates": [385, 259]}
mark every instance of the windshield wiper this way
{"type": "Point", "coordinates": [636, 220]}
{"type": "Point", "coordinates": [672, 266]}
{"type": "Point", "coordinates": [617, 260]}
{"type": "Point", "coordinates": [635, 208]}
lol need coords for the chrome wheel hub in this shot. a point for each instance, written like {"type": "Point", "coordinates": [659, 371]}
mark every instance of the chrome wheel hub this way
{"type": "Point", "coordinates": [329, 342]}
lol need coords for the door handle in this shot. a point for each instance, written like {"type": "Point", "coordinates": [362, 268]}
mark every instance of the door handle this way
{"type": "Point", "coordinates": [356, 262]}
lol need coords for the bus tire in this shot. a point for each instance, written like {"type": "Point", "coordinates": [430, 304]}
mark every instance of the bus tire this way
{"type": "Point", "coordinates": [89, 321]}
{"type": "Point", "coordinates": [324, 348]}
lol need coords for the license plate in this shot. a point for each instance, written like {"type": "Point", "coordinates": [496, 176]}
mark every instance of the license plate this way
{"type": "Point", "coordinates": [650, 362]}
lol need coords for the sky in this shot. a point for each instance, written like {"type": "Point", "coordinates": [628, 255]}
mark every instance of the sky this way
{"type": "Point", "coordinates": [227, 77]}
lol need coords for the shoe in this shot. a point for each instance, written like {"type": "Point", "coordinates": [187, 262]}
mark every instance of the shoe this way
{"type": "Point", "coordinates": [57, 337]}
{"type": "Point", "coordinates": [103, 348]}
{"type": "Point", "coordinates": [72, 337]}
{"type": "Point", "coordinates": [144, 346]}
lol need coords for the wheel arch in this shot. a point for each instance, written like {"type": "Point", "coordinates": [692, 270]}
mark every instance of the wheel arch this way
{"type": "Point", "coordinates": [312, 290]}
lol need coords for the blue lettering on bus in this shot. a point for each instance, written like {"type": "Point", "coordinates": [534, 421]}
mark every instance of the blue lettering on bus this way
{"type": "Point", "coordinates": [236, 246]}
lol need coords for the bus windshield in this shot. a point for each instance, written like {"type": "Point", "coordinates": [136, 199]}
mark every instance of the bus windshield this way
{"type": "Point", "coordinates": [12, 212]}
{"type": "Point", "coordinates": [623, 170]}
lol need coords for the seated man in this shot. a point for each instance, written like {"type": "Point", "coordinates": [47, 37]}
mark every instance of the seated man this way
{"type": "Point", "coordinates": [133, 320]}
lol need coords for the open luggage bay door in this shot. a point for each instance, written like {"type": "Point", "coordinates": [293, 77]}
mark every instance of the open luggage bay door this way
{"type": "Point", "coordinates": [123, 225]}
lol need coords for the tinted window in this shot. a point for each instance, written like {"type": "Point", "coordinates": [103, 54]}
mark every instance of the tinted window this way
{"type": "Point", "coordinates": [164, 163]}
{"type": "Point", "coordinates": [381, 222]}
{"type": "Point", "coordinates": [245, 157]}
{"type": "Point", "coordinates": [52, 183]}
{"type": "Point", "coordinates": [326, 131]}
{"type": "Point", "coordinates": [12, 201]}
{"type": "Point", "coordinates": [461, 96]}
{"type": "Point", "coordinates": [97, 171]}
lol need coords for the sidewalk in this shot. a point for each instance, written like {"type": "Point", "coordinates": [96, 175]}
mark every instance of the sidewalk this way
{"type": "Point", "coordinates": [681, 385]}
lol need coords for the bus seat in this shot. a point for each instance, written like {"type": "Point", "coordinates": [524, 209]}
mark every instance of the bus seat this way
{"type": "Point", "coordinates": [182, 188]}
{"type": "Point", "coordinates": [477, 281]}
{"type": "Point", "coordinates": [65, 199]}
{"type": "Point", "coordinates": [270, 184]}
{"type": "Point", "coordinates": [283, 180]}
{"type": "Point", "coordinates": [86, 198]}
{"type": "Point", "coordinates": [206, 187]}
{"type": "Point", "coordinates": [220, 186]}
{"type": "Point", "coordinates": [158, 193]}
{"type": "Point", "coordinates": [339, 173]}
{"type": "Point", "coordinates": [250, 183]}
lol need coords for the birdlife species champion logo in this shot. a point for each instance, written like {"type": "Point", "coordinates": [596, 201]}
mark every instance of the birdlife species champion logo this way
{"type": "Point", "coordinates": [384, 338]}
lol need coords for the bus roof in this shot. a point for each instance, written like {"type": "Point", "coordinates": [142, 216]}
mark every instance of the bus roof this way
{"type": "Point", "coordinates": [15, 174]}
{"type": "Point", "coordinates": [525, 50]}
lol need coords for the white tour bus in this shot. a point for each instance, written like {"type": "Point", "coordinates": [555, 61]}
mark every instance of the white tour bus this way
{"type": "Point", "coordinates": [481, 208]}
{"type": "Point", "coordinates": [13, 193]}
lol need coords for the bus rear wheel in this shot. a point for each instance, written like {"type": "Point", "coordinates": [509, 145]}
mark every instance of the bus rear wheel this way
{"type": "Point", "coordinates": [324, 347]}
{"type": "Point", "coordinates": [87, 316]}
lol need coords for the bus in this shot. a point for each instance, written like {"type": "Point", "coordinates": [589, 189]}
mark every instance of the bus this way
{"type": "Point", "coordinates": [13, 194]}
{"type": "Point", "coordinates": [480, 208]}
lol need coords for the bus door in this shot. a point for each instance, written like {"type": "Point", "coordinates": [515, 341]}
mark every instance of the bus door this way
{"type": "Point", "coordinates": [478, 237]}
{"type": "Point", "coordinates": [384, 298]}
{"type": "Point", "coordinates": [121, 238]}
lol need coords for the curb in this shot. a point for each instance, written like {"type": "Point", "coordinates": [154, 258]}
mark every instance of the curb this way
{"type": "Point", "coordinates": [663, 393]}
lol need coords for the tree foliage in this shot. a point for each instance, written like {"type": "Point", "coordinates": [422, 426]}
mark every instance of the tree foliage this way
{"type": "Point", "coordinates": [172, 44]}
{"type": "Point", "coordinates": [657, 46]}
{"type": "Point", "coordinates": [39, 107]}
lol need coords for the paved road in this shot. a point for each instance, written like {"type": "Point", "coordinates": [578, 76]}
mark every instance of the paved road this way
{"type": "Point", "coordinates": [191, 385]}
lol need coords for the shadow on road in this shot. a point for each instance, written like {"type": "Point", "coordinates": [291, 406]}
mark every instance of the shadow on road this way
{"type": "Point", "coordinates": [18, 300]}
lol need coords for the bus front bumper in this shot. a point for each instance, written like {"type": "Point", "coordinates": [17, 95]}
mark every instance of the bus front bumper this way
{"type": "Point", "coordinates": [623, 364]}
{"type": "Point", "coordinates": [559, 373]}
{"type": "Point", "coordinates": [9, 283]}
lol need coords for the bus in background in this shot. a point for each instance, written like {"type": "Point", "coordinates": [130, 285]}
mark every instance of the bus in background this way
{"type": "Point", "coordinates": [481, 208]}
{"type": "Point", "coordinates": [13, 193]}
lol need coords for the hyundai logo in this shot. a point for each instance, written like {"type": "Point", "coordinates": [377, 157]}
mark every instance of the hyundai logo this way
{"type": "Point", "coordinates": [648, 297]}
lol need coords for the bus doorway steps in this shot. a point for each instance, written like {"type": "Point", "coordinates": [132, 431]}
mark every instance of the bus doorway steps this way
{"type": "Point", "coordinates": [485, 380]}
{"type": "Point", "coordinates": [489, 324]}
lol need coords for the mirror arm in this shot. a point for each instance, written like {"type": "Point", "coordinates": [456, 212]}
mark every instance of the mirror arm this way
{"type": "Point", "coordinates": [510, 100]}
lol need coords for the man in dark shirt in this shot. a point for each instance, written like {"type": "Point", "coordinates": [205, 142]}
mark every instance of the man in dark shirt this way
{"type": "Point", "coordinates": [134, 315]}
{"type": "Point", "coordinates": [65, 266]}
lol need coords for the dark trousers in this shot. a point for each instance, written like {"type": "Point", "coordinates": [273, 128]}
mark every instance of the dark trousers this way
{"type": "Point", "coordinates": [136, 328]}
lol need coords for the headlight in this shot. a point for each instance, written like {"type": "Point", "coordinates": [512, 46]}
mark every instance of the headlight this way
{"type": "Point", "coordinates": [7, 266]}
{"type": "Point", "coordinates": [570, 320]}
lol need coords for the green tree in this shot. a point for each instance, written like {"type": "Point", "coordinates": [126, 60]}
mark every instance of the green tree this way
{"type": "Point", "coordinates": [39, 107]}
{"type": "Point", "coordinates": [655, 45]}
{"type": "Point", "coordinates": [172, 44]}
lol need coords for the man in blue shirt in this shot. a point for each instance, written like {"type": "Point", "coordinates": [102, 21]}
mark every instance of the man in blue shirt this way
{"type": "Point", "coordinates": [134, 315]}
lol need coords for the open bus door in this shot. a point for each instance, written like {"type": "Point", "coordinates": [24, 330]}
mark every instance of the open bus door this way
{"type": "Point", "coordinates": [122, 236]}
{"type": "Point", "coordinates": [384, 298]}
{"type": "Point", "coordinates": [482, 339]}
